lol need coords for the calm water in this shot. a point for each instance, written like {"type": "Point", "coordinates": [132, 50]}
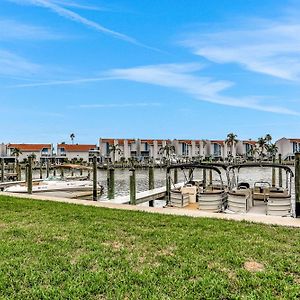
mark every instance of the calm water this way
{"type": "Point", "coordinates": [122, 178]}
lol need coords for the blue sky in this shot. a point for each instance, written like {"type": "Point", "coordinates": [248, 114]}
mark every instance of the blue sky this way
{"type": "Point", "coordinates": [148, 69]}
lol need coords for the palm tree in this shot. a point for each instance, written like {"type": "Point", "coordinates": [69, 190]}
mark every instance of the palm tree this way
{"type": "Point", "coordinates": [268, 138]}
{"type": "Point", "coordinates": [167, 151]}
{"type": "Point", "coordinates": [16, 152]}
{"type": "Point", "coordinates": [272, 150]}
{"type": "Point", "coordinates": [114, 149]}
{"type": "Point", "coordinates": [72, 137]}
{"type": "Point", "coordinates": [231, 140]}
{"type": "Point", "coordinates": [262, 145]}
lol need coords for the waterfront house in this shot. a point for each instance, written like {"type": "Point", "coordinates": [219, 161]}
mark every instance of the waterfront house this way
{"type": "Point", "coordinates": [216, 149]}
{"type": "Point", "coordinates": [288, 147]}
{"type": "Point", "coordinates": [76, 152]}
{"type": "Point", "coordinates": [246, 149]}
{"type": "Point", "coordinates": [3, 150]}
{"type": "Point", "coordinates": [41, 152]}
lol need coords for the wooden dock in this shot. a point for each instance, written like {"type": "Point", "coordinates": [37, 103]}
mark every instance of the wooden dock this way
{"type": "Point", "coordinates": [146, 196]}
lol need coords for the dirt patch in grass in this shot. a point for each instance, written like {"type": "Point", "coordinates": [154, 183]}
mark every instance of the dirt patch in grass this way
{"type": "Point", "coordinates": [253, 266]}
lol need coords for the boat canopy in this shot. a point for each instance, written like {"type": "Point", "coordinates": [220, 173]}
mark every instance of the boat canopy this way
{"type": "Point", "coordinates": [209, 166]}
{"type": "Point", "coordinates": [261, 165]}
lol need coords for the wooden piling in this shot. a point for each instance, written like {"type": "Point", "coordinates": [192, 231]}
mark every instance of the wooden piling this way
{"type": "Point", "coordinates": [2, 169]}
{"type": "Point", "coordinates": [54, 172]}
{"type": "Point", "coordinates": [204, 178]}
{"type": "Point", "coordinates": [273, 174]}
{"type": "Point", "coordinates": [297, 184]}
{"type": "Point", "coordinates": [41, 171]}
{"type": "Point", "coordinates": [47, 168]}
{"type": "Point", "coordinates": [26, 173]}
{"type": "Point", "coordinates": [95, 183]}
{"type": "Point", "coordinates": [29, 176]}
{"type": "Point", "coordinates": [210, 177]}
{"type": "Point", "coordinates": [132, 181]}
{"type": "Point", "coordinates": [111, 183]}
{"type": "Point", "coordinates": [168, 187]}
{"type": "Point", "coordinates": [280, 170]}
{"type": "Point", "coordinates": [62, 175]}
{"type": "Point", "coordinates": [151, 183]}
{"type": "Point", "coordinates": [175, 176]}
{"type": "Point", "coordinates": [19, 172]}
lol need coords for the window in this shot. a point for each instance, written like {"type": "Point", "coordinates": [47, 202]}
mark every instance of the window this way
{"type": "Point", "coordinates": [295, 148]}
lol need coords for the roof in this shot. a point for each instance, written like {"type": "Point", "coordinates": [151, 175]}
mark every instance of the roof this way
{"type": "Point", "coordinates": [217, 142]}
{"type": "Point", "coordinates": [185, 141]}
{"type": "Point", "coordinates": [250, 142]}
{"type": "Point", "coordinates": [76, 147]}
{"type": "Point", "coordinates": [29, 147]}
{"type": "Point", "coordinates": [294, 140]}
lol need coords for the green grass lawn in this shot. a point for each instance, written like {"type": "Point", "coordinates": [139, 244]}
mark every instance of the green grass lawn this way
{"type": "Point", "coordinates": [60, 251]}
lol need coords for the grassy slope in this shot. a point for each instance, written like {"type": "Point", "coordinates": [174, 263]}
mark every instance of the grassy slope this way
{"type": "Point", "coordinates": [60, 251]}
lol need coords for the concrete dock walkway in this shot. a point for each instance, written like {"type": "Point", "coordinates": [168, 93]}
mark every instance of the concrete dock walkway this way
{"type": "Point", "coordinates": [256, 218]}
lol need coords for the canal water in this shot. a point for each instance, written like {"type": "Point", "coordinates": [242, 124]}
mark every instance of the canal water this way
{"type": "Point", "coordinates": [250, 175]}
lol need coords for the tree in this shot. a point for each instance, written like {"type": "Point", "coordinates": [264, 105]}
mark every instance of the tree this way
{"type": "Point", "coordinates": [167, 151]}
{"type": "Point", "coordinates": [272, 150]}
{"type": "Point", "coordinates": [231, 140]}
{"type": "Point", "coordinates": [268, 138]}
{"type": "Point", "coordinates": [16, 152]}
{"type": "Point", "coordinates": [262, 145]}
{"type": "Point", "coordinates": [114, 149]}
{"type": "Point", "coordinates": [33, 156]}
{"type": "Point", "coordinates": [72, 137]}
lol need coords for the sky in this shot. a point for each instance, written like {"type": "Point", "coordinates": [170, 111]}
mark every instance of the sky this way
{"type": "Point", "coordinates": [196, 69]}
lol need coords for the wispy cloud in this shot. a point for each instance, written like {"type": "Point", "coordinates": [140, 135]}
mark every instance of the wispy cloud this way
{"type": "Point", "coordinates": [179, 76]}
{"type": "Point", "coordinates": [118, 105]}
{"type": "Point", "coordinates": [182, 78]}
{"type": "Point", "coordinates": [14, 65]}
{"type": "Point", "coordinates": [61, 82]}
{"type": "Point", "coordinates": [11, 29]}
{"type": "Point", "coordinates": [74, 4]}
{"type": "Point", "coordinates": [262, 46]}
{"type": "Point", "coordinates": [73, 16]}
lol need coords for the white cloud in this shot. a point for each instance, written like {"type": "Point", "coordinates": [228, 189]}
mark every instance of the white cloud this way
{"type": "Point", "coordinates": [73, 16]}
{"type": "Point", "coordinates": [10, 29]}
{"type": "Point", "coordinates": [262, 46]}
{"type": "Point", "coordinates": [179, 76]}
{"type": "Point", "coordinates": [74, 4]}
{"type": "Point", "coordinates": [15, 65]}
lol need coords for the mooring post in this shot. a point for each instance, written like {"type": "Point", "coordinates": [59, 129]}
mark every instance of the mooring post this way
{"type": "Point", "coordinates": [175, 176]}
{"type": "Point", "coordinates": [280, 170]}
{"type": "Point", "coordinates": [95, 183]}
{"type": "Point", "coordinates": [204, 178]}
{"type": "Point", "coordinates": [210, 177]}
{"type": "Point", "coordinates": [54, 171]}
{"type": "Point", "coordinates": [111, 183]}
{"type": "Point", "coordinates": [168, 187]}
{"type": "Point", "coordinates": [191, 175]}
{"type": "Point", "coordinates": [41, 170]}
{"type": "Point", "coordinates": [47, 168]}
{"type": "Point", "coordinates": [2, 169]}
{"type": "Point", "coordinates": [132, 183]}
{"type": "Point", "coordinates": [19, 172]}
{"type": "Point", "coordinates": [81, 171]}
{"type": "Point", "coordinates": [151, 183]}
{"type": "Point", "coordinates": [62, 172]}
{"type": "Point", "coordinates": [29, 175]}
{"type": "Point", "coordinates": [273, 174]}
{"type": "Point", "coordinates": [297, 184]}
